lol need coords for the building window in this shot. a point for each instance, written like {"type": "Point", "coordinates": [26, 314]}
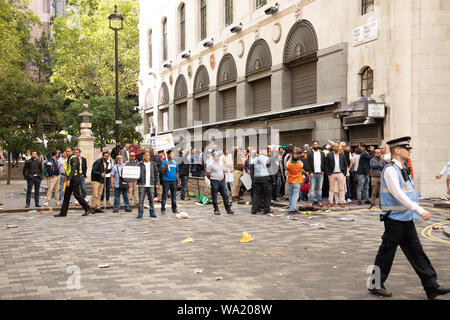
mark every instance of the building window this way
{"type": "Point", "coordinates": [164, 36]}
{"type": "Point", "coordinates": [228, 12]}
{"type": "Point", "coordinates": [150, 50]}
{"type": "Point", "coordinates": [202, 19]}
{"type": "Point", "coordinates": [367, 82]}
{"type": "Point", "coordinates": [260, 3]}
{"type": "Point", "coordinates": [367, 6]}
{"type": "Point", "coordinates": [182, 28]}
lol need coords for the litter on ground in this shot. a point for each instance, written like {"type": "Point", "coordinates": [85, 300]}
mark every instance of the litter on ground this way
{"type": "Point", "coordinates": [198, 270]}
{"type": "Point", "coordinates": [188, 240]}
{"type": "Point", "coordinates": [246, 238]}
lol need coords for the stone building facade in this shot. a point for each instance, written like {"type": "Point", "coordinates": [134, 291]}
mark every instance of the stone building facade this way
{"type": "Point", "coordinates": [347, 70]}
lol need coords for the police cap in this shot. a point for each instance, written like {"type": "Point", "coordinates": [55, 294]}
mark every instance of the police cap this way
{"type": "Point", "coordinates": [400, 142]}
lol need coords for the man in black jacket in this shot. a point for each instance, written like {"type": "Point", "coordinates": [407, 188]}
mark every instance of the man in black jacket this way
{"type": "Point", "coordinates": [315, 161]}
{"type": "Point", "coordinates": [148, 180]}
{"type": "Point", "coordinates": [363, 174]}
{"type": "Point", "coordinates": [83, 176]}
{"type": "Point", "coordinates": [33, 173]}
{"type": "Point", "coordinates": [98, 177]}
{"type": "Point", "coordinates": [73, 183]}
{"type": "Point", "coordinates": [336, 169]}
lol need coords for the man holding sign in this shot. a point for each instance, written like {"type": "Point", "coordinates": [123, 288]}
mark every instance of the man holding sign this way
{"type": "Point", "coordinates": [171, 180]}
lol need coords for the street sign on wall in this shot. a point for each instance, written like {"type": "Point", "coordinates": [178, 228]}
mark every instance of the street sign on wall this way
{"type": "Point", "coordinates": [365, 33]}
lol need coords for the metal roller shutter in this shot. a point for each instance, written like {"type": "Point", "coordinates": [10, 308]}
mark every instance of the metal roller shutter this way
{"type": "Point", "coordinates": [203, 109]}
{"type": "Point", "coordinates": [261, 96]}
{"type": "Point", "coordinates": [229, 104]}
{"type": "Point", "coordinates": [297, 138]}
{"type": "Point", "coordinates": [304, 84]}
{"type": "Point", "coordinates": [369, 134]}
{"type": "Point", "coordinates": [182, 115]}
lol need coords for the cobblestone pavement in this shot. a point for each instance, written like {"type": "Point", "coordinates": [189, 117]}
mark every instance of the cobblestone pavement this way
{"type": "Point", "coordinates": [286, 260]}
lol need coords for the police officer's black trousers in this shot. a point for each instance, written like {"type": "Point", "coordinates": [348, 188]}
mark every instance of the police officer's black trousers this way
{"type": "Point", "coordinates": [75, 185]}
{"type": "Point", "coordinates": [404, 234]}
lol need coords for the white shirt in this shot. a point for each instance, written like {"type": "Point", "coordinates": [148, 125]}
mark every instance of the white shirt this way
{"type": "Point", "coordinates": [356, 161]}
{"type": "Point", "coordinates": [337, 167]}
{"type": "Point", "coordinates": [317, 161]}
{"type": "Point", "coordinates": [215, 168]}
{"type": "Point", "coordinates": [393, 185]}
{"type": "Point", "coordinates": [108, 175]}
{"type": "Point", "coordinates": [147, 174]}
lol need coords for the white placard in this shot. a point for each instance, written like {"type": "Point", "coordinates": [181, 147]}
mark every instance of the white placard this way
{"type": "Point", "coordinates": [163, 142]}
{"type": "Point", "coordinates": [376, 110]}
{"type": "Point", "coordinates": [365, 33]}
{"type": "Point", "coordinates": [131, 173]}
{"type": "Point", "coordinates": [247, 181]}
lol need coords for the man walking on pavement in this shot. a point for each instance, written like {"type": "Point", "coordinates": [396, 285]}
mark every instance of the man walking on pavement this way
{"type": "Point", "coordinates": [73, 183]}
{"type": "Point", "coordinates": [148, 180]}
{"type": "Point", "coordinates": [119, 186]}
{"type": "Point", "coordinates": [215, 172]}
{"type": "Point", "coordinates": [99, 171]}
{"type": "Point", "coordinates": [53, 171]}
{"type": "Point", "coordinates": [377, 164]}
{"type": "Point", "coordinates": [171, 181]}
{"type": "Point", "coordinates": [83, 176]}
{"type": "Point", "coordinates": [400, 206]}
{"type": "Point", "coordinates": [33, 173]}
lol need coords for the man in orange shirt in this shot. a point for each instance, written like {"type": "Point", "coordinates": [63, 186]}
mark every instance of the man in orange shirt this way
{"type": "Point", "coordinates": [295, 178]}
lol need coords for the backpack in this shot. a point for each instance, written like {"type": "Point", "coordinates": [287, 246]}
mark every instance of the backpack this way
{"type": "Point", "coordinates": [47, 168]}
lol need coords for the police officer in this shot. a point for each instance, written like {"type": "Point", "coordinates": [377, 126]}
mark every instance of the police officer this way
{"type": "Point", "coordinates": [399, 204]}
{"type": "Point", "coordinates": [73, 183]}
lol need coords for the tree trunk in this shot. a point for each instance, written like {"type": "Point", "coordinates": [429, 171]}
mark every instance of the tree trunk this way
{"type": "Point", "coordinates": [9, 168]}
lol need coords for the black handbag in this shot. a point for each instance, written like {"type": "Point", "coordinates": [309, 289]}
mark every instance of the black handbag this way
{"type": "Point", "coordinates": [122, 184]}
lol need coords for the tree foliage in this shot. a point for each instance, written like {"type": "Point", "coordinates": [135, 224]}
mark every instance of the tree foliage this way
{"type": "Point", "coordinates": [103, 119]}
{"type": "Point", "coordinates": [83, 49]}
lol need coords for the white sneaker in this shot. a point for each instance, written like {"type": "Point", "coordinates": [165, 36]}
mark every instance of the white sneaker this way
{"type": "Point", "coordinates": [349, 200]}
{"type": "Point", "coordinates": [45, 204]}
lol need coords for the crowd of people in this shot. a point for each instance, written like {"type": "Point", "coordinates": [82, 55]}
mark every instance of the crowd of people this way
{"type": "Point", "coordinates": [292, 173]}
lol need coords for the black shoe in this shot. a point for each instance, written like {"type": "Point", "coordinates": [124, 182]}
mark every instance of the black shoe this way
{"type": "Point", "coordinates": [253, 212]}
{"type": "Point", "coordinates": [128, 210]}
{"type": "Point", "coordinates": [27, 206]}
{"type": "Point", "coordinates": [230, 212]}
{"type": "Point", "coordinates": [98, 211]}
{"type": "Point", "coordinates": [368, 202]}
{"type": "Point", "coordinates": [270, 211]}
{"type": "Point", "coordinates": [60, 215]}
{"type": "Point", "coordinates": [434, 292]}
{"type": "Point", "coordinates": [38, 206]}
{"type": "Point", "coordinates": [371, 206]}
{"type": "Point", "coordinates": [153, 215]}
{"type": "Point", "coordinates": [115, 211]}
{"type": "Point", "coordinates": [383, 292]}
{"type": "Point", "coordinates": [86, 213]}
{"type": "Point", "coordinates": [216, 212]}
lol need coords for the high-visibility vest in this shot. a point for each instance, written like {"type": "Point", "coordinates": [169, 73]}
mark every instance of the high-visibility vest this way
{"type": "Point", "coordinates": [389, 203]}
{"type": "Point", "coordinates": [69, 167]}
{"type": "Point", "coordinates": [260, 166]}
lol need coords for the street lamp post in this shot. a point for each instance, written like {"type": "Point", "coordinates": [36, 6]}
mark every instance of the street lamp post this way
{"type": "Point", "coordinates": [116, 23]}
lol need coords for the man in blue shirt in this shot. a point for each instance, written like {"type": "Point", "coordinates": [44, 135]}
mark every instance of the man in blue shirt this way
{"type": "Point", "coordinates": [171, 180]}
{"type": "Point", "coordinates": [119, 186]}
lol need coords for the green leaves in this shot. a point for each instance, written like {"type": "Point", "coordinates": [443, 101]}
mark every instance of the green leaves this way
{"type": "Point", "coordinates": [83, 49]}
{"type": "Point", "coordinates": [103, 119]}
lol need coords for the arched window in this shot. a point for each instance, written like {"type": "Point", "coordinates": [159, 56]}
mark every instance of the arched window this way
{"type": "Point", "coordinates": [367, 6]}
{"type": "Point", "coordinates": [203, 30]}
{"type": "Point", "coordinates": [228, 12]}
{"type": "Point", "coordinates": [367, 82]}
{"type": "Point", "coordinates": [164, 38]}
{"type": "Point", "coordinates": [150, 49]}
{"type": "Point", "coordinates": [182, 28]}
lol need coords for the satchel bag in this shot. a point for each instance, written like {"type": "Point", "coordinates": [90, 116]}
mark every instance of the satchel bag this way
{"type": "Point", "coordinates": [122, 184]}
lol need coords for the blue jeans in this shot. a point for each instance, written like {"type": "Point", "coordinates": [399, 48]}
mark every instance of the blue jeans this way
{"type": "Point", "coordinates": [363, 182]}
{"type": "Point", "coordinates": [83, 186]}
{"type": "Point", "coordinates": [172, 185]}
{"type": "Point", "coordinates": [219, 186]}
{"type": "Point", "coordinates": [61, 186]}
{"type": "Point", "coordinates": [149, 192]}
{"type": "Point", "coordinates": [117, 192]}
{"type": "Point", "coordinates": [294, 192]}
{"type": "Point", "coordinates": [36, 182]}
{"type": "Point", "coordinates": [279, 183]}
{"type": "Point", "coordinates": [184, 183]}
{"type": "Point", "coordinates": [316, 182]}
{"type": "Point", "coordinates": [348, 195]}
